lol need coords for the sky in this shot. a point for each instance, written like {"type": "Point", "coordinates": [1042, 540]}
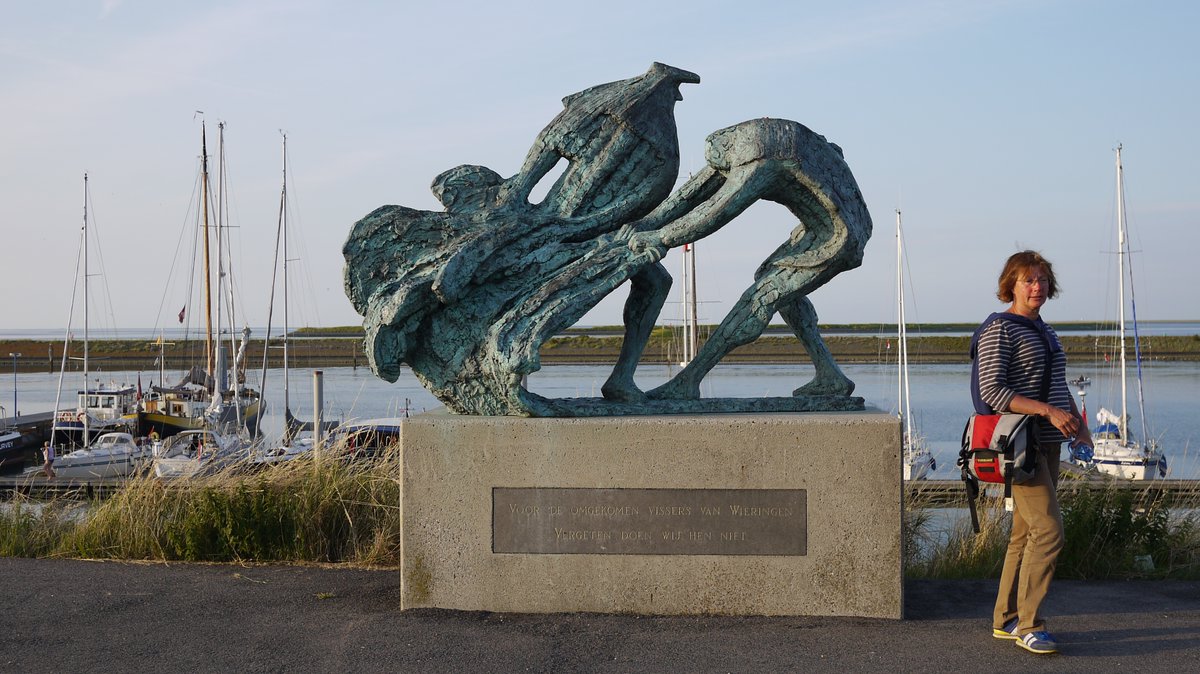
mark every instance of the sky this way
{"type": "Point", "coordinates": [990, 124]}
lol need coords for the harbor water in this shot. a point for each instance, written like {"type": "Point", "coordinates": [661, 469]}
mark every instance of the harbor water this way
{"type": "Point", "coordinates": [941, 402]}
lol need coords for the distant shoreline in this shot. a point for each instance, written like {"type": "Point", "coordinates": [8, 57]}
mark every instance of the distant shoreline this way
{"type": "Point", "coordinates": [579, 346]}
{"type": "Point", "coordinates": [1097, 327]}
{"type": "Point", "coordinates": [1149, 328]}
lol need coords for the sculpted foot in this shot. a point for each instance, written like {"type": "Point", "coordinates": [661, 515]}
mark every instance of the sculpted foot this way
{"type": "Point", "coordinates": [676, 389]}
{"type": "Point", "coordinates": [831, 386]}
{"type": "Point", "coordinates": [622, 391]}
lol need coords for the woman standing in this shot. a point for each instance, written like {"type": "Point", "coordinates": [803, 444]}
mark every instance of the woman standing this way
{"type": "Point", "coordinates": [48, 459]}
{"type": "Point", "coordinates": [1012, 351]}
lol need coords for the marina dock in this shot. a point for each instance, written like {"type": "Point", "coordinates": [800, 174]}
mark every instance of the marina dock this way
{"type": "Point", "coordinates": [37, 485]}
{"type": "Point", "coordinates": [41, 421]}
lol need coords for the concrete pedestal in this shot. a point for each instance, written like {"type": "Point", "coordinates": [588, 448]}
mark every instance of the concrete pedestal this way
{"type": "Point", "coordinates": [751, 514]}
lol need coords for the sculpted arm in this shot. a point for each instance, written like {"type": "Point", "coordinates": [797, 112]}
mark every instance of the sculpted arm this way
{"type": "Point", "coordinates": [693, 193]}
{"type": "Point", "coordinates": [715, 210]}
{"type": "Point", "coordinates": [538, 162]}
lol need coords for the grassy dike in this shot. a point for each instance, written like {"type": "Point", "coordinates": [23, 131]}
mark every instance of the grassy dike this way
{"type": "Point", "coordinates": [342, 347]}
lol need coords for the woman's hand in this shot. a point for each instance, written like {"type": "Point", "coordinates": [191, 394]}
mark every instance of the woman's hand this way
{"type": "Point", "coordinates": [1084, 434]}
{"type": "Point", "coordinates": [1066, 422]}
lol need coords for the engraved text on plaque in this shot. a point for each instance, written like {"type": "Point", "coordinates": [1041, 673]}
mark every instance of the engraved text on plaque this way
{"type": "Point", "coordinates": [650, 521]}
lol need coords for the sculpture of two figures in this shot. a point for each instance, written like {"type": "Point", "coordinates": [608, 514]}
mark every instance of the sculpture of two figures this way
{"type": "Point", "coordinates": [467, 297]}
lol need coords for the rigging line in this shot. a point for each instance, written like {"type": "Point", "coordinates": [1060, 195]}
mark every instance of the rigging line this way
{"type": "Point", "coordinates": [910, 299]}
{"type": "Point", "coordinates": [62, 368]}
{"type": "Point", "coordinates": [107, 295]}
{"type": "Point", "coordinates": [224, 252]}
{"type": "Point", "coordinates": [1137, 350]}
{"type": "Point", "coordinates": [297, 239]}
{"type": "Point", "coordinates": [274, 272]}
{"type": "Point", "coordinates": [225, 249]}
{"type": "Point", "coordinates": [226, 207]}
{"type": "Point", "coordinates": [183, 231]}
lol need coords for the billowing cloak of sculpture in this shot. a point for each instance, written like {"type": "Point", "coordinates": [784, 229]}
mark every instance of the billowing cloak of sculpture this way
{"type": "Point", "coordinates": [467, 297]}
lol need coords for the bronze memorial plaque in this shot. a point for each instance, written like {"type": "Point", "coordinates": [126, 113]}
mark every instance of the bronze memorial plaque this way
{"type": "Point", "coordinates": [650, 521]}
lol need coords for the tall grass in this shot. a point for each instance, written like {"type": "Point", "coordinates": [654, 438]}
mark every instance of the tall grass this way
{"type": "Point", "coordinates": [300, 511]}
{"type": "Point", "coordinates": [29, 529]}
{"type": "Point", "coordinates": [1111, 532]}
{"type": "Point", "coordinates": [348, 512]}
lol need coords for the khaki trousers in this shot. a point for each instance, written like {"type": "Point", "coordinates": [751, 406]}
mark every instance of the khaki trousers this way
{"type": "Point", "coordinates": [1033, 547]}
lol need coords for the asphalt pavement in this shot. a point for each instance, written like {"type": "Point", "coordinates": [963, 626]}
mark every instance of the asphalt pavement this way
{"type": "Point", "coordinates": [75, 616]}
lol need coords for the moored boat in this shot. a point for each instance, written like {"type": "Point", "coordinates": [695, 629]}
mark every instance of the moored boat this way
{"type": "Point", "coordinates": [916, 459]}
{"type": "Point", "coordinates": [103, 409]}
{"type": "Point", "coordinates": [193, 452]}
{"type": "Point", "coordinates": [111, 455]}
{"type": "Point", "coordinates": [18, 448]}
{"type": "Point", "coordinates": [1115, 452]}
{"type": "Point", "coordinates": [291, 445]}
{"type": "Point", "coordinates": [214, 397]}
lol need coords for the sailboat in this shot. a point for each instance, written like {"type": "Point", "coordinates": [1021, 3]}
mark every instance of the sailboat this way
{"type": "Point", "coordinates": [103, 448]}
{"type": "Point", "coordinates": [196, 452]}
{"type": "Point", "coordinates": [102, 408]}
{"type": "Point", "coordinates": [111, 455]}
{"type": "Point", "coordinates": [292, 444]}
{"type": "Point", "coordinates": [918, 461]}
{"type": "Point", "coordinates": [212, 398]}
{"type": "Point", "coordinates": [1115, 451]}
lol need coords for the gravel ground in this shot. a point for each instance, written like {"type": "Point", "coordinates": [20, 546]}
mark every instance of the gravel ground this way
{"type": "Point", "coordinates": [69, 616]}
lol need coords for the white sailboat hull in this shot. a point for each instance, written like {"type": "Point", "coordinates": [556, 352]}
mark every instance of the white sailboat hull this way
{"type": "Point", "coordinates": [1128, 462]}
{"type": "Point", "coordinates": [1115, 452]}
{"type": "Point", "coordinates": [281, 453]}
{"type": "Point", "coordinates": [918, 465]}
{"type": "Point", "coordinates": [113, 455]}
{"type": "Point", "coordinates": [194, 452]}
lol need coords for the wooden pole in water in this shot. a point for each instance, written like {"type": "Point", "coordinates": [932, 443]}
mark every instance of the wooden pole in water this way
{"type": "Point", "coordinates": [318, 406]}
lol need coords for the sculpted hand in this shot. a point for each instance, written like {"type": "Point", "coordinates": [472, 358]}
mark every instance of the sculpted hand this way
{"type": "Point", "coordinates": [626, 232]}
{"type": "Point", "coordinates": [648, 243]}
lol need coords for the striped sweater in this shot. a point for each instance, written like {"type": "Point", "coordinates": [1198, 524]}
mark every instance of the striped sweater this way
{"type": "Point", "coordinates": [1011, 361]}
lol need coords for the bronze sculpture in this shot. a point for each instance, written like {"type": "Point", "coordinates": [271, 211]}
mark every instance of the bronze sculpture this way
{"type": "Point", "coordinates": [467, 296]}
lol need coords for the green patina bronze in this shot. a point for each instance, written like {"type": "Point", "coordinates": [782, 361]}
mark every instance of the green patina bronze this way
{"type": "Point", "coordinates": [467, 296]}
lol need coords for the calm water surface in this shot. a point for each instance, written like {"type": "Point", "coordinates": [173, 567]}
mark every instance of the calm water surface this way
{"type": "Point", "coordinates": [941, 401]}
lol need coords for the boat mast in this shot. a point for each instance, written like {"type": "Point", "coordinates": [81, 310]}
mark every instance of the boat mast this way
{"type": "Point", "coordinates": [902, 399]}
{"type": "Point", "coordinates": [1122, 426]}
{"type": "Point", "coordinates": [284, 228]}
{"type": "Point", "coordinates": [691, 327]}
{"type": "Point", "coordinates": [221, 383]}
{"type": "Point", "coordinates": [62, 368]}
{"type": "Point", "coordinates": [693, 318]}
{"type": "Point", "coordinates": [208, 332]}
{"type": "Point", "coordinates": [86, 396]}
{"type": "Point", "coordinates": [218, 222]}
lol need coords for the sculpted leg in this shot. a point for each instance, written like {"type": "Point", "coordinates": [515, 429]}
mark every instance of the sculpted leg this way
{"type": "Point", "coordinates": [801, 317]}
{"type": "Point", "coordinates": [646, 297]}
{"type": "Point", "coordinates": [744, 323]}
